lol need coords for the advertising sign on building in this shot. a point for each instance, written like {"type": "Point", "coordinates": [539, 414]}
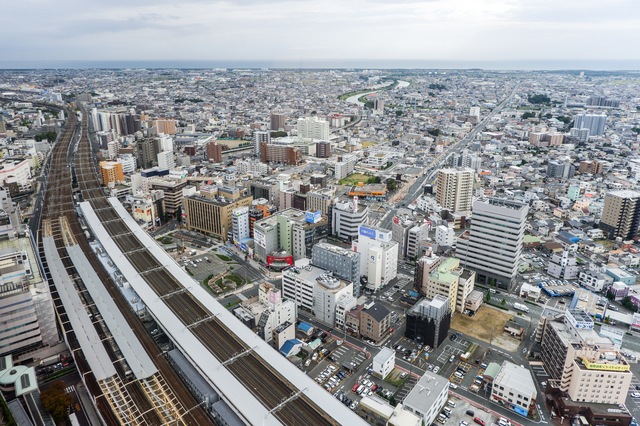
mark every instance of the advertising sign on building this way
{"type": "Point", "coordinates": [313, 217]}
{"type": "Point", "coordinates": [260, 238]}
{"type": "Point", "coordinates": [635, 321]}
{"type": "Point", "coordinates": [371, 233]}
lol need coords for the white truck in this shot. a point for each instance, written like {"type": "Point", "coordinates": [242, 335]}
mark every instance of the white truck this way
{"type": "Point", "coordinates": [521, 307]}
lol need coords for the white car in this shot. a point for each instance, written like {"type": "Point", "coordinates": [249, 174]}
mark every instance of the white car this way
{"type": "Point", "coordinates": [635, 395]}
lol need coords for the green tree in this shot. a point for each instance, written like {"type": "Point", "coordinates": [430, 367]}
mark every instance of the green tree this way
{"type": "Point", "coordinates": [398, 113]}
{"type": "Point", "coordinates": [528, 114]}
{"type": "Point", "coordinates": [392, 401]}
{"type": "Point", "coordinates": [56, 401]}
{"type": "Point", "coordinates": [504, 302]}
{"type": "Point", "coordinates": [374, 179]}
{"type": "Point", "coordinates": [391, 184]}
{"type": "Point", "coordinates": [179, 214]}
{"type": "Point", "coordinates": [610, 295]}
{"type": "Point", "coordinates": [488, 296]}
{"type": "Point", "coordinates": [279, 134]}
{"type": "Point", "coordinates": [434, 132]}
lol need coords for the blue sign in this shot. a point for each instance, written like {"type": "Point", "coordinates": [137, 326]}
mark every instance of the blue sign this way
{"type": "Point", "coordinates": [520, 410]}
{"type": "Point", "coordinates": [313, 217]}
{"type": "Point", "coordinates": [371, 233]}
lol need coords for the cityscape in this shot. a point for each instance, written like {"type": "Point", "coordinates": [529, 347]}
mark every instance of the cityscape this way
{"type": "Point", "coordinates": [319, 246]}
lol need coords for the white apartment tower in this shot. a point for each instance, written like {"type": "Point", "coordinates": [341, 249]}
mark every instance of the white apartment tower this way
{"type": "Point", "coordinates": [166, 160]}
{"type": "Point", "coordinates": [454, 189]}
{"type": "Point", "coordinates": [259, 138]}
{"type": "Point", "coordinates": [312, 127]}
{"type": "Point", "coordinates": [240, 222]}
{"type": "Point", "coordinates": [494, 245]}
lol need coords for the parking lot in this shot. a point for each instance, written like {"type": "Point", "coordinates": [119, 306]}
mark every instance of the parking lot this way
{"type": "Point", "coordinates": [463, 411]}
{"type": "Point", "coordinates": [204, 265]}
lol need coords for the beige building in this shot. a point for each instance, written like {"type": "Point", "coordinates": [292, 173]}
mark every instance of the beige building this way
{"type": "Point", "coordinates": [450, 280]}
{"type": "Point", "coordinates": [320, 200]}
{"type": "Point", "coordinates": [212, 216]}
{"type": "Point", "coordinates": [424, 267]}
{"type": "Point", "coordinates": [582, 363]}
{"type": "Point", "coordinates": [454, 189]}
{"type": "Point", "coordinates": [621, 214]}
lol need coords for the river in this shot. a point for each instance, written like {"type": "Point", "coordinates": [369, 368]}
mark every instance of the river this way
{"type": "Point", "coordinates": [354, 99]}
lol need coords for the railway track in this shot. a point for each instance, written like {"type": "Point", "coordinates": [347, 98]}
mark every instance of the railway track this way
{"type": "Point", "coordinates": [59, 203]}
{"type": "Point", "coordinates": [265, 383]}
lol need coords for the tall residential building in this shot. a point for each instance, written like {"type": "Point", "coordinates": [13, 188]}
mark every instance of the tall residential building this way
{"type": "Point", "coordinates": [474, 111]}
{"type": "Point", "coordinates": [494, 245]}
{"type": "Point", "coordinates": [277, 121]}
{"type": "Point", "coordinates": [240, 223]}
{"type": "Point", "coordinates": [344, 263]}
{"type": "Point", "coordinates": [428, 321]}
{"type": "Point", "coordinates": [213, 216]}
{"type": "Point", "coordinates": [313, 127]}
{"type": "Point", "coordinates": [166, 160]}
{"type": "Point", "coordinates": [424, 267]}
{"type": "Point", "coordinates": [465, 159]}
{"type": "Point", "coordinates": [347, 217]}
{"type": "Point", "coordinates": [621, 214]}
{"type": "Point", "coordinates": [594, 167]}
{"type": "Point", "coordinates": [454, 189]}
{"type": "Point", "coordinates": [214, 152]}
{"type": "Point", "coordinates": [375, 322]}
{"type": "Point", "coordinates": [345, 165]}
{"type": "Point", "coordinates": [452, 281]}
{"type": "Point", "coordinates": [147, 152]}
{"type": "Point", "coordinates": [111, 171]}
{"type": "Point", "coordinates": [3, 127]}
{"type": "Point", "coordinates": [379, 255]}
{"type": "Point", "coordinates": [323, 149]}
{"type": "Point", "coordinates": [289, 155]}
{"type": "Point", "coordinates": [259, 138]}
{"type": "Point", "coordinates": [594, 122]}
{"type": "Point", "coordinates": [560, 169]}
{"type": "Point", "coordinates": [378, 105]}
{"type": "Point", "coordinates": [582, 362]}
{"type": "Point", "coordinates": [165, 126]}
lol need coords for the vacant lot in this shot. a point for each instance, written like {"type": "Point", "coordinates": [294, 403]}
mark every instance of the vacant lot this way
{"type": "Point", "coordinates": [354, 179]}
{"type": "Point", "coordinates": [366, 144]}
{"type": "Point", "coordinates": [480, 325]}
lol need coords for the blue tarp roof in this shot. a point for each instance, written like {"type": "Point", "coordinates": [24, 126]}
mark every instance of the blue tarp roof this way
{"type": "Point", "coordinates": [305, 327]}
{"type": "Point", "coordinates": [288, 345]}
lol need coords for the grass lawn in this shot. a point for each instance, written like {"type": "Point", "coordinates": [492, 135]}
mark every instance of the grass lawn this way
{"type": "Point", "coordinates": [353, 179]}
{"type": "Point", "coordinates": [480, 325]}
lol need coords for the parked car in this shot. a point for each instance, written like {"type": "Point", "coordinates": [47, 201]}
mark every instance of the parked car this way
{"type": "Point", "coordinates": [479, 421]}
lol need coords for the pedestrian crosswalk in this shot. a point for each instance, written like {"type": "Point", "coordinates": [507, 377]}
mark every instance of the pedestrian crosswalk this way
{"type": "Point", "coordinates": [70, 389]}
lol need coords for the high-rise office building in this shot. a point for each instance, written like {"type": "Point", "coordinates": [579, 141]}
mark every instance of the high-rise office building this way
{"type": "Point", "coordinates": [277, 121]}
{"type": "Point", "coordinates": [147, 152]}
{"type": "Point", "coordinates": [379, 255]}
{"type": "Point", "coordinates": [214, 152]}
{"type": "Point", "coordinates": [260, 138]}
{"type": "Point", "coordinates": [594, 122]}
{"type": "Point", "coordinates": [3, 128]}
{"type": "Point", "coordinates": [313, 127]}
{"type": "Point", "coordinates": [454, 189]}
{"type": "Point", "coordinates": [213, 216]}
{"type": "Point", "coordinates": [494, 245]}
{"type": "Point", "coordinates": [378, 105]}
{"type": "Point", "coordinates": [621, 214]}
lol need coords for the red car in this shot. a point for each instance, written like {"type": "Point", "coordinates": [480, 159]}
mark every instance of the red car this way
{"type": "Point", "coordinates": [479, 421]}
{"type": "Point", "coordinates": [374, 388]}
{"type": "Point", "coordinates": [355, 388]}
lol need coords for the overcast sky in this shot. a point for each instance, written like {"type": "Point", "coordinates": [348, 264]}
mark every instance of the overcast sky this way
{"type": "Point", "coordinates": [301, 30]}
